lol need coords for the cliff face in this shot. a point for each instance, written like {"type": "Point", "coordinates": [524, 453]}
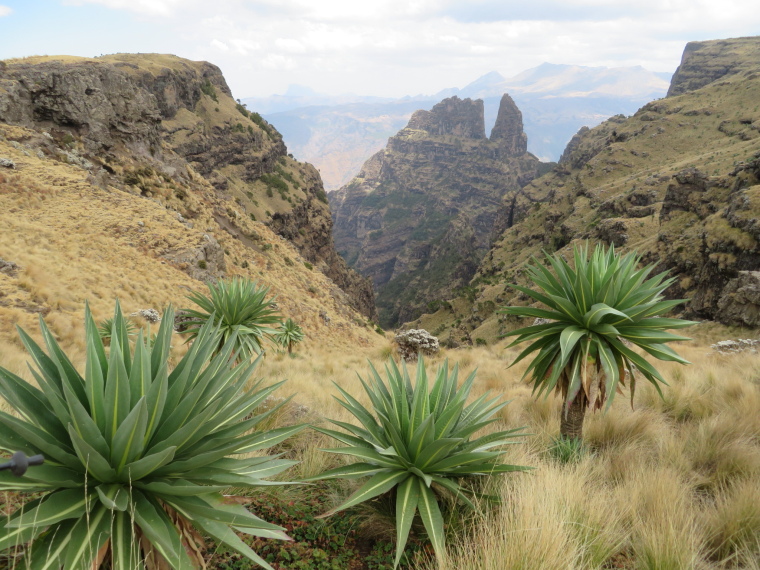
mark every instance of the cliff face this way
{"type": "Point", "coordinates": [678, 182]}
{"type": "Point", "coordinates": [419, 216]}
{"type": "Point", "coordinates": [705, 62]}
{"type": "Point", "coordinates": [132, 116]}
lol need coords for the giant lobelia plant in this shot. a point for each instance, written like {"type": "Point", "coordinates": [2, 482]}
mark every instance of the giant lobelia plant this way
{"type": "Point", "coordinates": [418, 440]}
{"type": "Point", "coordinates": [597, 312]}
{"type": "Point", "coordinates": [137, 455]}
{"type": "Point", "coordinates": [238, 306]}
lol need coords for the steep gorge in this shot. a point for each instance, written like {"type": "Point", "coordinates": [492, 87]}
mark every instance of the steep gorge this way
{"type": "Point", "coordinates": [420, 215]}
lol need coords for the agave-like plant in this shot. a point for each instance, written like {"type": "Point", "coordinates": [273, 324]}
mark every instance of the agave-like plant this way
{"type": "Point", "coordinates": [596, 313]}
{"type": "Point", "coordinates": [417, 439]}
{"type": "Point", "coordinates": [106, 326]}
{"type": "Point", "coordinates": [240, 307]}
{"type": "Point", "coordinates": [137, 455]}
{"type": "Point", "coordinates": [288, 334]}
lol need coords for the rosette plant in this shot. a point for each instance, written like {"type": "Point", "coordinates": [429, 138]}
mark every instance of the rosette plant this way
{"type": "Point", "coordinates": [417, 441]}
{"type": "Point", "coordinates": [136, 454]}
{"type": "Point", "coordinates": [597, 312]}
{"type": "Point", "coordinates": [239, 307]}
{"type": "Point", "coordinates": [288, 334]}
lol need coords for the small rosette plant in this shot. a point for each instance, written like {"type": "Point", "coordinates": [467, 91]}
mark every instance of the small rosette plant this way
{"type": "Point", "coordinates": [137, 455]}
{"type": "Point", "coordinates": [239, 307]}
{"type": "Point", "coordinates": [418, 439]}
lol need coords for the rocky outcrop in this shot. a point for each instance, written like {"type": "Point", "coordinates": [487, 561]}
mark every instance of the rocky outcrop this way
{"type": "Point", "coordinates": [93, 100]}
{"type": "Point", "coordinates": [420, 215]}
{"type": "Point", "coordinates": [452, 116]}
{"type": "Point", "coordinates": [413, 342]}
{"type": "Point", "coordinates": [573, 145]}
{"type": "Point", "coordinates": [705, 62]}
{"type": "Point", "coordinates": [739, 303]}
{"type": "Point", "coordinates": [508, 130]}
{"type": "Point", "coordinates": [138, 122]}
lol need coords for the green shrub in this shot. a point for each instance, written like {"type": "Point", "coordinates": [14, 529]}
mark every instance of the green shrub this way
{"type": "Point", "coordinates": [593, 311]}
{"type": "Point", "coordinates": [242, 110]}
{"type": "Point", "coordinates": [260, 122]}
{"type": "Point", "coordinates": [202, 264]}
{"type": "Point", "coordinates": [136, 454]}
{"type": "Point", "coordinates": [481, 342]}
{"type": "Point", "coordinates": [274, 181]}
{"type": "Point", "coordinates": [241, 309]}
{"type": "Point", "coordinates": [308, 265]}
{"type": "Point", "coordinates": [209, 89]}
{"type": "Point", "coordinates": [413, 437]}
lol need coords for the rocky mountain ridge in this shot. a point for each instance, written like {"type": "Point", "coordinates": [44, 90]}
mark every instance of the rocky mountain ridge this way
{"type": "Point", "coordinates": [339, 133]}
{"type": "Point", "coordinates": [421, 213]}
{"type": "Point", "coordinates": [141, 122]}
{"type": "Point", "coordinates": [677, 182]}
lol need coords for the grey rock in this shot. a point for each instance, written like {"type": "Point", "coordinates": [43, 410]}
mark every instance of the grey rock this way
{"type": "Point", "coordinates": [413, 342]}
{"type": "Point", "coordinates": [739, 302]}
{"type": "Point", "coordinates": [150, 315]}
{"type": "Point", "coordinates": [734, 346]}
{"type": "Point", "coordinates": [7, 163]}
{"type": "Point", "coordinates": [9, 268]}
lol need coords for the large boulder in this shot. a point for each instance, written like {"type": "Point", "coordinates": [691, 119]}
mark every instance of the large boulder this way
{"type": "Point", "coordinates": [739, 303]}
{"type": "Point", "coordinates": [412, 342]}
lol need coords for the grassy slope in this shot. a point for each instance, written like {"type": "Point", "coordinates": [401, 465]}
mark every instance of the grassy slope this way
{"type": "Point", "coordinates": [76, 241]}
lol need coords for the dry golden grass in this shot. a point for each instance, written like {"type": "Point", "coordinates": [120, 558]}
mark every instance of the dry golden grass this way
{"type": "Point", "coordinates": [76, 241]}
{"type": "Point", "coordinates": [673, 483]}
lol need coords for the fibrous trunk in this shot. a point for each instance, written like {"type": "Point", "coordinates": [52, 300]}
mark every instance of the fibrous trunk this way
{"type": "Point", "coordinates": [571, 422]}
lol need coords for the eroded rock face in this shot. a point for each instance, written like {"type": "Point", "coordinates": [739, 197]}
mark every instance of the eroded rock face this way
{"type": "Point", "coordinates": [95, 100]}
{"type": "Point", "coordinates": [739, 303]}
{"type": "Point", "coordinates": [705, 62]}
{"type": "Point", "coordinates": [572, 146]}
{"type": "Point", "coordinates": [420, 215]}
{"type": "Point", "coordinates": [508, 129]}
{"type": "Point", "coordinates": [452, 116]}
{"type": "Point", "coordinates": [413, 342]}
{"type": "Point", "coordinates": [203, 261]}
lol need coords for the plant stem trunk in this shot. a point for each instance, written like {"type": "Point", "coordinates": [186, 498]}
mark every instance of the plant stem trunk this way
{"type": "Point", "coordinates": [571, 421]}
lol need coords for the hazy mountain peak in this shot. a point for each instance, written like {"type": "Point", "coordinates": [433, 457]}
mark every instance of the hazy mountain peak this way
{"type": "Point", "coordinates": [296, 90]}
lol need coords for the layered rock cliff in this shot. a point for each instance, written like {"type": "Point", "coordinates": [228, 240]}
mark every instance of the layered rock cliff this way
{"type": "Point", "coordinates": [705, 62]}
{"type": "Point", "coordinates": [678, 182]}
{"type": "Point", "coordinates": [142, 121]}
{"type": "Point", "coordinates": [420, 215]}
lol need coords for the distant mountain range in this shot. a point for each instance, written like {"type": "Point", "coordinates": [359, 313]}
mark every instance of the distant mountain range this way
{"type": "Point", "coordinates": [338, 133]}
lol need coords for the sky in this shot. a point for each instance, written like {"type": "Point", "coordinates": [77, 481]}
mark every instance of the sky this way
{"type": "Point", "coordinates": [386, 48]}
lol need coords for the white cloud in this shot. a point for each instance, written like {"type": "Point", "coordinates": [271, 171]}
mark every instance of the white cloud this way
{"type": "Point", "coordinates": [219, 45]}
{"type": "Point", "coordinates": [149, 7]}
{"type": "Point", "coordinates": [397, 47]}
{"type": "Point", "coordinates": [5, 11]}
